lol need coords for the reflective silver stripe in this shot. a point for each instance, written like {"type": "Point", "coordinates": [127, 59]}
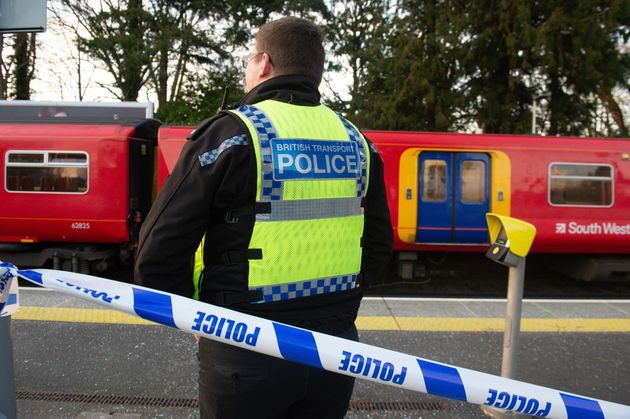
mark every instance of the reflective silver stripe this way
{"type": "Point", "coordinates": [312, 209]}
{"type": "Point", "coordinates": [306, 288]}
{"type": "Point", "coordinates": [211, 156]}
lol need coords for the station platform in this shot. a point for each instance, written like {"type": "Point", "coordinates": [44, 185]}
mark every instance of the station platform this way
{"type": "Point", "coordinates": [74, 359]}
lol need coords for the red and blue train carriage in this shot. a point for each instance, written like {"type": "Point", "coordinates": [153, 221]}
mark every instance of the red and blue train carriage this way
{"type": "Point", "coordinates": [576, 192]}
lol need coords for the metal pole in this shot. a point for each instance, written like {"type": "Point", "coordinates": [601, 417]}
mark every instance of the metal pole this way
{"type": "Point", "coordinates": [513, 310]}
{"type": "Point", "coordinates": [8, 406]}
{"type": "Point", "coordinates": [511, 335]}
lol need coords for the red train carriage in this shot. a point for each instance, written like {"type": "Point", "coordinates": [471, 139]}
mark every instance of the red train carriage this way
{"type": "Point", "coordinates": [74, 192]}
{"type": "Point", "coordinates": [576, 192]}
{"type": "Point", "coordinates": [170, 142]}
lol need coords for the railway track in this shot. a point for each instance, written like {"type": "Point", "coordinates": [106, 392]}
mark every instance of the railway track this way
{"type": "Point", "coordinates": [474, 276]}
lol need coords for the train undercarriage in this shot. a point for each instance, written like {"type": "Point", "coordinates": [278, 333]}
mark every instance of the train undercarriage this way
{"type": "Point", "coordinates": [79, 257]}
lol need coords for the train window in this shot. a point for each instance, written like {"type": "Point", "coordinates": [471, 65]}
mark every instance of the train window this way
{"type": "Point", "coordinates": [65, 158]}
{"type": "Point", "coordinates": [25, 158]}
{"type": "Point", "coordinates": [580, 184]}
{"type": "Point", "coordinates": [473, 181]}
{"type": "Point", "coordinates": [434, 181]}
{"type": "Point", "coordinates": [47, 172]}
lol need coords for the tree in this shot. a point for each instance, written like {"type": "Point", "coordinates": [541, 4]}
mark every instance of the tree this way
{"type": "Point", "coordinates": [498, 64]}
{"type": "Point", "coordinates": [410, 79]}
{"type": "Point", "coordinates": [159, 44]}
{"type": "Point", "coordinates": [17, 65]}
{"type": "Point", "coordinates": [428, 68]}
{"type": "Point", "coordinates": [355, 33]}
{"type": "Point", "coordinates": [182, 38]}
{"type": "Point", "coordinates": [25, 55]}
{"type": "Point", "coordinates": [241, 17]}
{"type": "Point", "coordinates": [116, 36]}
{"type": "Point", "coordinates": [580, 61]}
{"type": "Point", "coordinates": [4, 69]}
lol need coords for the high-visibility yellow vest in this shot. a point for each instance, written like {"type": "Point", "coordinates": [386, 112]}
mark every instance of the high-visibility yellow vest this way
{"type": "Point", "coordinates": [312, 173]}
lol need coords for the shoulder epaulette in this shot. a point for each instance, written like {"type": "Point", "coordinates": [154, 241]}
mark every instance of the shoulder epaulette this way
{"type": "Point", "coordinates": [203, 125]}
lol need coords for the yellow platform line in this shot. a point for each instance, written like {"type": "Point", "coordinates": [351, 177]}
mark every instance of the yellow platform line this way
{"type": "Point", "coordinates": [380, 323]}
{"type": "Point", "coordinates": [484, 324]}
{"type": "Point", "coordinates": [78, 315]}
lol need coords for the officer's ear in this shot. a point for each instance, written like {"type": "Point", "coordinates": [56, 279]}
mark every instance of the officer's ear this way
{"type": "Point", "coordinates": [265, 67]}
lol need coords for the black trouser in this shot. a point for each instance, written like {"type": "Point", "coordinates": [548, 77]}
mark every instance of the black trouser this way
{"type": "Point", "coordinates": [237, 383]}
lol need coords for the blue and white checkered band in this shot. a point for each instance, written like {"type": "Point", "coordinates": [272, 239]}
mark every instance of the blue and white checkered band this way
{"type": "Point", "coordinates": [271, 189]}
{"type": "Point", "coordinates": [292, 290]}
{"type": "Point", "coordinates": [356, 137]}
{"type": "Point", "coordinates": [211, 156]}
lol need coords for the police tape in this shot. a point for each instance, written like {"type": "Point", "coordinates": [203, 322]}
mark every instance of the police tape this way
{"type": "Point", "coordinates": [327, 352]}
{"type": "Point", "coordinates": [8, 291]}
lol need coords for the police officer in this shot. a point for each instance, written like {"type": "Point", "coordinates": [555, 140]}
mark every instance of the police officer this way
{"type": "Point", "coordinates": [281, 201]}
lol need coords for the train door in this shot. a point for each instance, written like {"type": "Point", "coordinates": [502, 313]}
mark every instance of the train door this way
{"type": "Point", "coordinates": [454, 196]}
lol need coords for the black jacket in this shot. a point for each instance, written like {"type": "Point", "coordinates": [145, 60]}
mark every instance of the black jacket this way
{"type": "Point", "coordinates": [194, 201]}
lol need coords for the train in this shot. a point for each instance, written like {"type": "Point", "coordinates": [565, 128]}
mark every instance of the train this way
{"type": "Point", "coordinates": [77, 187]}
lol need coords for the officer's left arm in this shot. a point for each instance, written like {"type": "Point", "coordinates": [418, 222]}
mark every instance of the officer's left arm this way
{"type": "Point", "coordinates": [378, 238]}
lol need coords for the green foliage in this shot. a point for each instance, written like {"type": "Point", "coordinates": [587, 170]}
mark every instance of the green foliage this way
{"type": "Point", "coordinates": [417, 81]}
{"type": "Point", "coordinates": [451, 65]}
{"type": "Point", "coordinates": [243, 17]}
{"type": "Point", "coordinates": [498, 64]}
{"type": "Point", "coordinates": [427, 65]}
{"type": "Point", "coordinates": [355, 30]}
{"type": "Point", "coordinates": [579, 61]}
{"type": "Point", "coordinates": [201, 98]}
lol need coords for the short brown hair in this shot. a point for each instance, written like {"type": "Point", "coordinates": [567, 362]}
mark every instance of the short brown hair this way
{"type": "Point", "coordinates": [295, 46]}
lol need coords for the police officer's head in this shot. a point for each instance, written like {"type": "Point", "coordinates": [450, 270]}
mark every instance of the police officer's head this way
{"type": "Point", "coordinates": [287, 46]}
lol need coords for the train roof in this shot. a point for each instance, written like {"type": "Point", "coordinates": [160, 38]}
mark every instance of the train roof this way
{"type": "Point", "coordinates": [80, 132]}
{"type": "Point", "coordinates": [412, 137]}
{"type": "Point", "coordinates": [102, 113]}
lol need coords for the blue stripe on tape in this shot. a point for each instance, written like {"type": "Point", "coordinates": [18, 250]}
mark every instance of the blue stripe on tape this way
{"type": "Point", "coordinates": [297, 345]}
{"type": "Point", "coordinates": [32, 276]}
{"type": "Point", "coordinates": [12, 300]}
{"type": "Point", "coordinates": [153, 306]}
{"type": "Point", "coordinates": [442, 380]}
{"type": "Point", "coordinates": [579, 407]}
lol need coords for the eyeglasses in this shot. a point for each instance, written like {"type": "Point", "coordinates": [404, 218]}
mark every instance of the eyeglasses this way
{"type": "Point", "coordinates": [246, 59]}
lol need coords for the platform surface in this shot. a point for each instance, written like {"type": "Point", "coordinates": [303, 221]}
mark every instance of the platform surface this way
{"type": "Point", "coordinates": [77, 357]}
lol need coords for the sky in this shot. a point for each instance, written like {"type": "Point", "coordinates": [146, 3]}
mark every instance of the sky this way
{"type": "Point", "coordinates": [58, 67]}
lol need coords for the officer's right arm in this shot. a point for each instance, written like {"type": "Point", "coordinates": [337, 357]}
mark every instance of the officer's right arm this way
{"type": "Point", "coordinates": [180, 215]}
